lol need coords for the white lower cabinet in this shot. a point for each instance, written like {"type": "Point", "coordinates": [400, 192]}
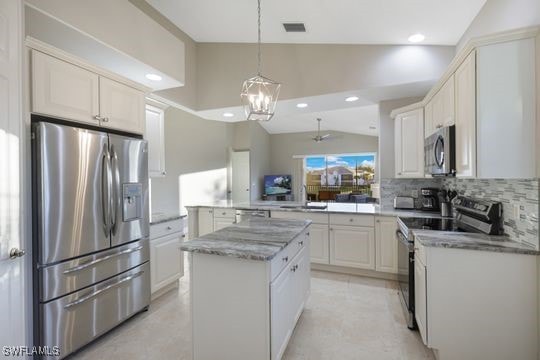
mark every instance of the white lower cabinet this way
{"type": "Point", "coordinates": [420, 306]}
{"type": "Point", "coordinates": [166, 258]}
{"type": "Point", "coordinates": [386, 245]}
{"type": "Point", "coordinates": [206, 221]}
{"type": "Point", "coordinates": [352, 246]}
{"type": "Point", "coordinates": [319, 244]}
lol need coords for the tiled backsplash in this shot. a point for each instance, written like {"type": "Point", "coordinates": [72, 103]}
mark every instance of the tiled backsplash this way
{"type": "Point", "coordinates": [390, 188]}
{"type": "Point", "coordinates": [510, 192]}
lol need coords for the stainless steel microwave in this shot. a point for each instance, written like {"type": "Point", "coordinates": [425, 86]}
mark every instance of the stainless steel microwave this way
{"type": "Point", "coordinates": [440, 152]}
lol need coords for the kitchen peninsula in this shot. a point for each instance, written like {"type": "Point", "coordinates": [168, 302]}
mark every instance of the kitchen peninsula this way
{"type": "Point", "coordinates": [249, 284]}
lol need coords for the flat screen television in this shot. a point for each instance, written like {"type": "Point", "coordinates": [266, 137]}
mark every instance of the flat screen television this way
{"type": "Point", "coordinates": [277, 184]}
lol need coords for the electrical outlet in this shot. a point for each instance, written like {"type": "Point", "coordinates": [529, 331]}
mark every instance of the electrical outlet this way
{"type": "Point", "coordinates": [414, 193]}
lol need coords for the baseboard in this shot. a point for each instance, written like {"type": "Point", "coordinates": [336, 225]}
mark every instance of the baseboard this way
{"type": "Point", "coordinates": [164, 290]}
{"type": "Point", "coordinates": [354, 271]}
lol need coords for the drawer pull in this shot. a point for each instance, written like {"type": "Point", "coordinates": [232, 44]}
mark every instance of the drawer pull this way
{"type": "Point", "coordinates": [286, 258]}
{"type": "Point", "coordinates": [97, 261]}
{"type": "Point", "coordinates": [102, 290]}
{"type": "Point", "coordinates": [300, 243]}
{"type": "Point", "coordinates": [307, 234]}
{"type": "Point", "coordinates": [294, 267]}
{"type": "Point", "coordinates": [351, 220]}
{"type": "Point", "coordinates": [169, 228]}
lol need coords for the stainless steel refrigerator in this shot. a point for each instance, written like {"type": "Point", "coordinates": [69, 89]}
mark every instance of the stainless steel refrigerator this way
{"type": "Point", "coordinates": [90, 238]}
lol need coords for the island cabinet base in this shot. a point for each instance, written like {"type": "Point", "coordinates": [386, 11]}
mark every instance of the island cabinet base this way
{"type": "Point", "coordinates": [244, 309]}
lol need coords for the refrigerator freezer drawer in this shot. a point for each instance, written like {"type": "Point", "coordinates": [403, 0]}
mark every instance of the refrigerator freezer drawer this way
{"type": "Point", "coordinates": [69, 276]}
{"type": "Point", "coordinates": [74, 320]}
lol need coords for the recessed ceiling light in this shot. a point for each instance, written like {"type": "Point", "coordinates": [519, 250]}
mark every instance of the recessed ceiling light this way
{"type": "Point", "coordinates": [228, 114]}
{"type": "Point", "coordinates": [153, 77]}
{"type": "Point", "coordinates": [416, 38]}
{"type": "Point", "coordinates": [301, 105]}
{"type": "Point", "coordinates": [351, 98]}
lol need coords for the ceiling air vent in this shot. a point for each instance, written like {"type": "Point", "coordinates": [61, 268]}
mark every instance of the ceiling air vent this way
{"type": "Point", "coordinates": [294, 27]}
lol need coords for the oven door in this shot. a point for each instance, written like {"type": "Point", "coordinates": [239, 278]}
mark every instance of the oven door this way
{"type": "Point", "coordinates": [406, 277]}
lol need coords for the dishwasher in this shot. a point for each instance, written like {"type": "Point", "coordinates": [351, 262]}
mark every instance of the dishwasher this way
{"type": "Point", "coordinates": [250, 214]}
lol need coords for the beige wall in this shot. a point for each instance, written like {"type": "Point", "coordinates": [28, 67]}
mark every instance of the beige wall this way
{"type": "Point", "coordinates": [284, 146]}
{"type": "Point", "coordinates": [500, 15]}
{"type": "Point", "coordinates": [309, 70]}
{"type": "Point", "coordinates": [124, 27]}
{"type": "Point", "coordinates": [192, 145]}
{"type": "Point", "coordinates": [259, 159]}
{"type": "Point", "coordinates": [386, 160]}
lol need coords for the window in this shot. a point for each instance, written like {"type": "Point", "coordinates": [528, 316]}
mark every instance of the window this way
{"type": "Point", "coordinates": [340, 178]}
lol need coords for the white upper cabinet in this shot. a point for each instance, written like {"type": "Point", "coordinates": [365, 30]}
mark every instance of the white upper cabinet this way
{"type": "Point", "coordinates": [429, 126]}
{"type": "Point", "coordinates": [121, 107]}
{"type": "Point", "coordinates": [409, 144]}
{"type": "Point", "coordinates": [506, 101]}
{"type": "Point", "coordinates": [64, 90]}
{"type": "Point", "coordinates": [443, 112]}
{"type": "Point", "coordinates": [155, 135]}
{"type": "Point", "coordinates": [465, 79]}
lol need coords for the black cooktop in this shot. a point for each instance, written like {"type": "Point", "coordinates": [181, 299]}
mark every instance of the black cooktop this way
{"type": "Point", "coordinates": [429, 224]}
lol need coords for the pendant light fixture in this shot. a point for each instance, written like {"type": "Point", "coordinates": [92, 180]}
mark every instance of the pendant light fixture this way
{"type": "Point", "coordinates": [259, 94]}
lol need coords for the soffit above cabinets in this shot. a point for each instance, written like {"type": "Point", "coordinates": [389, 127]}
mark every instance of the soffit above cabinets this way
{"type": "Point", "coordinates": [327, 22]}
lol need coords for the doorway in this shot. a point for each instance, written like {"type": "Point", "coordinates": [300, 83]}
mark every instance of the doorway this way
{"type": "Point", "coordinates": [240, 177]}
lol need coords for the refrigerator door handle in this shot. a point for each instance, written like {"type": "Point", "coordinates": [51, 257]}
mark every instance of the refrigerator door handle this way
{"type": "Point", "coordinates": [106, 185]}
{"type": "Point", "coordinates": [100, 260]}
{"type": "Point", "coordinates": [116, 193]}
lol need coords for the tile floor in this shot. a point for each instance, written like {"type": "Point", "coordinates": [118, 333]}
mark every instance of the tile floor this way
{"type": "Point", "coordinates": [346, 317]}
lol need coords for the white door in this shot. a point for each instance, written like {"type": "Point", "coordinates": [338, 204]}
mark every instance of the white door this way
{"type": "Point", "coordinates": [121, 107]}
{"type": "Point", "coordinates": [386, 245]}
{"type": "Point", "coordinates": [465, 78]}
{"type": "Point", "coordinates": [64, 90]}
{"type": "Point", "coordinates": [166, 261]}
{"type": "Point", "coordinates": [352, 246]}
{"type": "Point", "coordinates": [409, 144]}
{"type": "Point", "coordinates": [13, 278]}
{"type": "Point", "coordinates": [155, 135]}
{"type": "Point", "coordinates": [319, 246]}
{"type": "Point", "coordinates": [240, 177]}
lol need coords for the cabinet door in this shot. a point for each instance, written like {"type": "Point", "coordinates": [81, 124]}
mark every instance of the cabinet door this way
{"type": "Point", "coordinates": [64, 90]}
{"type": "Point", "coordinates": [352, 246]}
{"type": "Point", "coordinates": [448, 115]}
{"type": "Point", "coordinates": [429, 128]}
{"type": "Point", "coordinates": [155, 135]}
{"type": "Point", "coordinates": [319, 252]}
{"type": "Point", "coordinates": [206, 221]}
{"type": "Point", "coordinates": [438, 111]}
{"type": "Point", "coordinates": [166, 261]}
{"type": "Point", "coordinates": [121, 106]}
{"type": "Point", "coordinates": [409, 144]}
{"type": "Point", "coordinates": [420, 298]}
{"type": "Point", "coordinates": [220, 223]}
{"type": "Point", "coordinates": [465, 79]}
{"type": "Point", "coordinates": [386, 245]}
{"type": "Point", "coordinates": [281, 312]}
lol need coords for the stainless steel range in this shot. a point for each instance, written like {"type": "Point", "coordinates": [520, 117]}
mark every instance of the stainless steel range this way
{"type": "Point", "coordinates": [90, 246]}
{"type": "Point", "coordinates": [471, 216]}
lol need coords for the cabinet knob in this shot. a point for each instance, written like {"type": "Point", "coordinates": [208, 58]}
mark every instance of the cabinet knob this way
{"type": "Point", "coordinates": [223, 213]}
{"type": "Point", "coordinates": [97, 117]}
{"type": "Point", "coordinates": [105, 119]}
{"type": "Point", "coordinates": [285, 259]}
{"type": "Point", "coordinates": [300, 243]}
{"type": "Point", "coordinates": [169, 228]}
{"type": "Point", "coordinates": [399, 173]}
{"type": "Point", "coordinates": [378, 221]}
{"type": "Point", "coordinates": [307, 234]}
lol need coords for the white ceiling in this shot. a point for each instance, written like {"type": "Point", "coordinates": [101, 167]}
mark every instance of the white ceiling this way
{"type": "Point", "coordinates": [327, 21]}
{"type": "Point", "coordinates": [337, 114]}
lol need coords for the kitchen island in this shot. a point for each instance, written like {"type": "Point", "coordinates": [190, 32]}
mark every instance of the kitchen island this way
{"type": "Point", "coordinates": [249, 285]}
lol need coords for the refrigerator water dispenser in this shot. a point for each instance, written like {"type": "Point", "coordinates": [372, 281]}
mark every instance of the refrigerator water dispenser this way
{"type": "Point", "coordinates": [132, 201]}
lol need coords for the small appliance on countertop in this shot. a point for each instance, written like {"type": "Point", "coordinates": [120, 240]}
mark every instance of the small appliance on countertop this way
{"type": "Point", "coordinates": [404, 202]}
{"type": "Point", "coordinates": [430, 200]}
{"type": "Point", "coordinates": [475, 216]}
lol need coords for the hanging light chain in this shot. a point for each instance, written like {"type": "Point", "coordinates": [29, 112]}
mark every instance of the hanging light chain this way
{"type": "Point", "coordinates": [259, 37]}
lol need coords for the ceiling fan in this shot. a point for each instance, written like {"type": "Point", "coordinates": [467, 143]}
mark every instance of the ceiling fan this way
{"type": "Point", "coordinates": [320, 137]}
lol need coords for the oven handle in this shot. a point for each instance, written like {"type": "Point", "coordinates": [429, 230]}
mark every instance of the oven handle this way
{"type": "Point", "coordinates": [403, 240]}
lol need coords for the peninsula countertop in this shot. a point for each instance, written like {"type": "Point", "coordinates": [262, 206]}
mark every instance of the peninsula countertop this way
{"type": "Point", "coordinates": [253, 239]}
{"type": "Point", "coordinates": [331, 208]}
{"type": "Point", "coordinates": [472, 241]}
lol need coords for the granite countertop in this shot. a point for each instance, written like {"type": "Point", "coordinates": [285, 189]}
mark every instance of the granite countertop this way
{"type": "Point", "coordinates": [332, 208]}
{"type": "Point", "coordinates": [159, 217]}
{"type": "Point", "coordinates": [471, 241]}
{"type": "Point", "coordinates": [253, 239]}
